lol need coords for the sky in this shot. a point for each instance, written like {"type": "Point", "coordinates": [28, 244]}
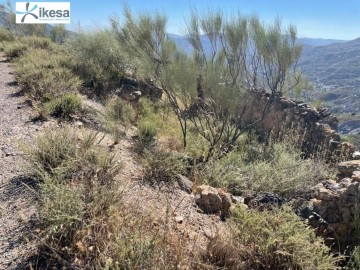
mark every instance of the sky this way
{"type": "Point", "coordinates": [329, 19]}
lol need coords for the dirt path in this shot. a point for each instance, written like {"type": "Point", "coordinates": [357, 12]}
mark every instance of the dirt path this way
{"type": "Point", "coordinates": [17, 205]}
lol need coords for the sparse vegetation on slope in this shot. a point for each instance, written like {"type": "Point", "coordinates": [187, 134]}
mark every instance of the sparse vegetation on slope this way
{"type": "Point", "coordinates": [83, 219]}
{"type": "Point", "coordinates": [196, 131]}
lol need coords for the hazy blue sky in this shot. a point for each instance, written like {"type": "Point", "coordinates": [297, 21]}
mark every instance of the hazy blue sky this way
{"type": "Point", "coordinates": [338, 19]}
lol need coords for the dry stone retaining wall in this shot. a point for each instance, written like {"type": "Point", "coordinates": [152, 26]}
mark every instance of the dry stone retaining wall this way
{"type": "Point", "coordinates": [316, 126]}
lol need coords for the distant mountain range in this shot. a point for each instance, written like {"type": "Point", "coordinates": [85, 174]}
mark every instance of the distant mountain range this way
{"type": "Point", "coordinates": [335, 71]}
{"type": "Point", "coordinates": [48, 27]}
{"type": "Point", "coordinates": [183, 42]}
{"type": "Point", "coordinates": [3, 16]}
{"type": "Point", "coordinates": [330, 62]}
{"type": "Point", "coordinates": [336, 65]}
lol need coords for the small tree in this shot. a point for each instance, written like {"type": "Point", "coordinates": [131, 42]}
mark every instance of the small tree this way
{"type": "Point", "coordinates": [99, 59]}
{"type": "Point", "coordinates": [277, 53]}
{"type": "Point", "coordinates": [145, 39]}
{"type": "Point", "coordinates": [58, 33]}
{"type": "Point", "coordinates": [210, 87]}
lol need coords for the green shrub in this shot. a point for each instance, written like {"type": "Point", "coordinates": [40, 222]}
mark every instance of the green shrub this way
{"type": "Point", "coordinates": [64, 106]}
{"type": "Point", "coordinates": [18, 47]}
{"type": "Point", "coordinates": [6, 35]}
{"type": "Point", "coordinates": [277, 167]}
{"type": "Point", "coordinates": [44, 74]}
{"type": "Point", "coordinates": [61, 206]}
{"type": "Point", "coordinates": [276, 239]}
{"type": "Point", "coordinates": [120, 111]}
{"type": "Point", "coordinates": [36, 42]}
{"type": "Point", "coordinates": [354, 260]}
{"type": "Point", "coordinates": [15, 49]}
{"type": "Point", "coordinates": [99, 59]}
{"type": "Point", "coordinates": [59, 33]}
{"type": "Point", "coordinates": [61, 153]}
{"type": "Point", "coordinates": [73, 214]}
{"type": "Point", "coordinates": [117, 117]}
{"type": "Point", "coordinates": [151, 109]}
{"type": "Point", "coordinates": [55, 150]}
{"type": "Point", "coordinates": [146, 130]}
{"type": "Point", "coordinates": [162, 166]}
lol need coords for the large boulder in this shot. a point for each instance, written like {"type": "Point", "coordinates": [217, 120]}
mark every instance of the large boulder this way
{"type": "Point", "coordinates": [262, 200]}
{"type": "Point", "coordinates": [213, 201]}
{"type": "Point", "coordinates": [184, 183]}
{"type": "Point", "coordinates": [356, 155]}
{"type": "Point", "coordinates": [356, 176]}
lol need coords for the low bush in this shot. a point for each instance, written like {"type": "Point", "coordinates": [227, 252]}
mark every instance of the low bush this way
{"type": "Point", "coordinates": [55, 153]}
{"type": "Point", "coordinates": [64, 106]}
{"type": "Point", "coordinates": [14, 49]}
{"type": "Point", "coordinates": [354, 259]}
{"type": "Point", "coordinates": [276, 239]}
{"type": "Point", "coordinates": [44, 75]}
{"type": "Point", "coordinates": [118, 110]}
{"type": "Point", "coordinates": [146, 130]}
{"type": "Point", "coordinates": [36, 42]}
{"type": "Point", "coordinates": [162, 166]}
{"type": "Point", "coordinates": [18, 47]}
{"type": "Point", "coordinates": [118, 116]}
{"type": "Point", "coordinates": [61, 153]}
{"type": "Point", "coordinates": [99, 60]}
{"type": "Point", "coordinates": [6, 35]}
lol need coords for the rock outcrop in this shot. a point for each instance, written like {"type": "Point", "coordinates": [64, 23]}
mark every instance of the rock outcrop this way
{"type": "Point", "coordinates": [132, 89]}
{"type": "Point", "coordinates": [184, 183]}
{"type": "Point", "coordinates": [317, 127]}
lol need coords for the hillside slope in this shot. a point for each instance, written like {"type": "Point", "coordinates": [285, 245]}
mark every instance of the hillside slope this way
{"type": "Point", "coordinates": [336, 65]}
{"type": "Point", "coordinates": [169, 208]}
